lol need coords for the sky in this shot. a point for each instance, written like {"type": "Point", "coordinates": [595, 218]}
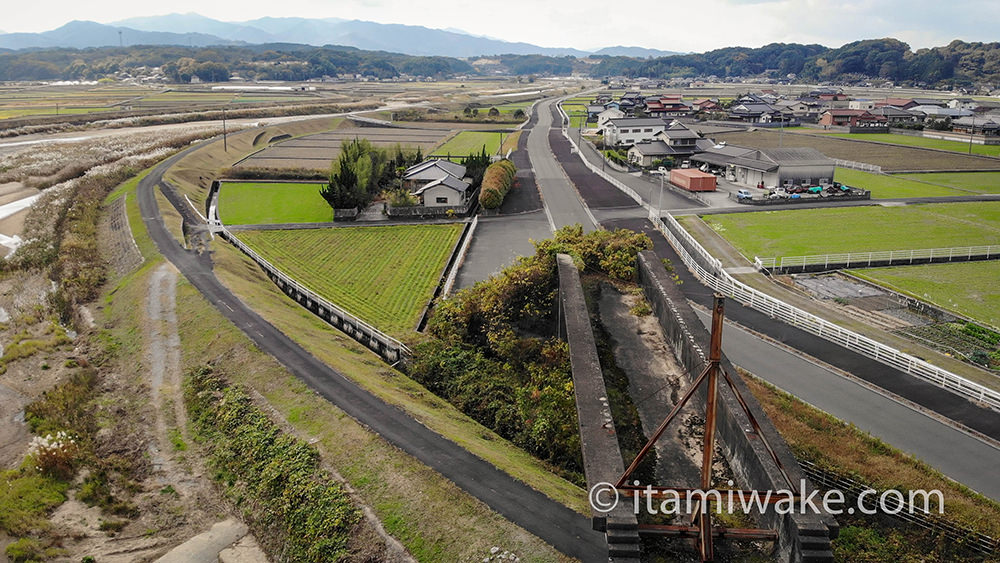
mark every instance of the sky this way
{"type": "Point", "coordinates": [589, 24]}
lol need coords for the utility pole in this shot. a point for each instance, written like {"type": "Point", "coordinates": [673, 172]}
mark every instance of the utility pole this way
{"type": "Point", "coordinates": [972, 131]}
{"type": "Point", "coordinates": [659, 202]}
{"type": "Point", "coordinates": [121, 42]}
{"type": "Point", "coordinates": [225, 145]}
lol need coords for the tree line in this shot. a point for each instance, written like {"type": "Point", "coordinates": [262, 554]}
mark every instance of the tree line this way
{"type": "Point", "coordinates": [958, 63]}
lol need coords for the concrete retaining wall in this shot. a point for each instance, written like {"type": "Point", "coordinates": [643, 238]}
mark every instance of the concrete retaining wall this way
{"type": "Point", "coordinates": [802, 537]}
{"type": "Point", "coordinates": [602, 457]}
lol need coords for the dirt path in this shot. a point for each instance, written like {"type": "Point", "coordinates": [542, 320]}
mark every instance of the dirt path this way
{"type": "Point", "coordinates": [655, 383]}
{"type": "Point", "coordinates": [172, 465]}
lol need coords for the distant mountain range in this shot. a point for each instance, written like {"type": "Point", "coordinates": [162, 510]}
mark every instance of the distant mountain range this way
{"type": "Point", "coordinates": [199, 31]}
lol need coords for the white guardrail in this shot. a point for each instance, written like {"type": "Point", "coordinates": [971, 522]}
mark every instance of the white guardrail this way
{"type": "Point", "coordinates": [866, 258]}
{"type": "Point", "coordinates": [723, 283]}
{"type": "Point", "coordinates": [863, 166]}
{"type": "Point", "coordinates": [385, 340]}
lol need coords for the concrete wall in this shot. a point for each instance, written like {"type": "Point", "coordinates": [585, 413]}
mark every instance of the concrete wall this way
{"type": "Point", "coordinates": [602, 457]}
{"type": "Point", "coordinates": [802, 537]}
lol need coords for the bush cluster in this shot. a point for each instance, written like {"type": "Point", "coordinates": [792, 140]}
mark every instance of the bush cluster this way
{"type": "Point", "coordinates": [497, 181]}
{"type": "Point", "coordinates": [297, 511]}
{"type": "Point", "coordinates": [495, 355]}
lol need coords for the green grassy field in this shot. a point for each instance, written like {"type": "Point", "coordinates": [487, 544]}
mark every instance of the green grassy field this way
{"type": "Point", "coordinates": [906, 140]}
{"type": "Point", "coordinates": [978, 182]}
{"type": "Point", "coordinates": [885, 187]}
{"type": "Point", "coordinates": [969, 288]}
{"type": "Point", "coordinates": [256, 204]}
{"type": "Point", "coordinates": [804, 232]}
{"type": "Point", "coordinates": [384, 275]}
{"type": "Point", "coordinates": [470, 142]}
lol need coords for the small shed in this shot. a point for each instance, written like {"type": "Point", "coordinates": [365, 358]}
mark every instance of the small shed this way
{"type": "Point", "coordinates": [692, 179]}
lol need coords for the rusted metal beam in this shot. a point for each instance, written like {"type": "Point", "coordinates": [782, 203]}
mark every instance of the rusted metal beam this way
{"type": "Point", "coordinates": [718, 532]}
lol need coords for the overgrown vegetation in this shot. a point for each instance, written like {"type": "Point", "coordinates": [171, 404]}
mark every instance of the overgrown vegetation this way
{"type": "Point", "coordinates": [294, 508]}
{"type": "Point", "coordinates": [818, 437]}
{"type": "Point", "coordinates": [495, 355]}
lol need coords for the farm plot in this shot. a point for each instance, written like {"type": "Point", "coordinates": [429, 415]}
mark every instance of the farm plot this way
{"type": "Point", "coordinates": [886, 187]}
{"type": "Point", "coordinates": [808, 232]}
{"type": "Point", "coordinates": [471, 142]}
{"type": "Point", "coordinates": [889, 157]}
{"type": "Point", "coordinates": [969, 288]}
{"type": "Point", "coordinates": [245, 203]}
{"type": "Point", "coordinates": [384, 275]}
{"type": "Point", "coordinates": [975, 182]}
{"type": "Point", "coordinates": [317, 152]}
{"type": "Point", "coordinates": [910, 141]}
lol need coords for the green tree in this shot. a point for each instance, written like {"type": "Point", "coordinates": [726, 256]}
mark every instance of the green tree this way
{"type": "Point", "coordinates": [356, 176]}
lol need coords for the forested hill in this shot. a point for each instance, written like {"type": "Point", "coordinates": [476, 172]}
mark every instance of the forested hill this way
{"type": "Point", "coordinates": [958, 63]}
{"type": "Point", "coordinates": [279, 61]}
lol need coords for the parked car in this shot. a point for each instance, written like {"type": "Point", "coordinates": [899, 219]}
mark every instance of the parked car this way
{"type": "Point", "coordinates": [744, 194]}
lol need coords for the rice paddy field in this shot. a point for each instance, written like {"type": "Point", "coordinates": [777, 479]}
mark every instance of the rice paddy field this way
{"type": "Point", "coordinates": [910, 141]}
{"type": "Point", "coordinates": [967, 182]}
{"type": "Point", "coordinates": [384, 275]}
{"type": "Point", "coordinates": [807, 232]}
{"type": "Point", "coordinates": [891, 158]}
{"type": "Point", "coordinates": [969, 288]}
{"type": "Point", "coordinates": [317, 152]}
{"type": "Point", "coordinates": [470, 142]}
{"type": "Point", "coordinates": [887, 187]}
{"type": "Point", "coordinates": [248, 203]}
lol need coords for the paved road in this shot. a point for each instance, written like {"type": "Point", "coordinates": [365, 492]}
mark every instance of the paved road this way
{"type": "Point", "coordinates": [955, 453]}
{"type": "Point", "coordinates": [562, 202]}
{"type": "Point", "coordinates": [562, 528]}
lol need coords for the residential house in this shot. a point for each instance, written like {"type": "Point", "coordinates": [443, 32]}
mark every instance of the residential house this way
{"type": "Point", "coordinates": [866, 105]}
{"type": "Point", "coordinates": [978, 127]}
{"type": "Point", "coordinates": [939, 112]}
{"type": "Point", "coordinates": [706, 104]}
{"type": "Point", "coordinates": [610, 113]}
{"type": "Point", "coordinates": [612, 104]}
{"type": "Point", "coordinates": [963, 103]}
{"type": "Point", "coordinates": [757, 113]}
{"type": "Point", "coordinates": [437, 182]}
{"type": "Point", "coordinates": [631, 130]}
{"type": "Point", "coordinates": [895, 116]}
{"type": "Point", "coordinates": [671, 109]}
{"type": "Point", "coordinates": [593, 110]}
{"type": "Point", "coordinates": [770, 167]}
{"type": "Point", "coordinates": [859, 119]}
{"type": "Point", "coordinates": [929, 102]}
{"type": "Point", "coordinates": [801, 109]}
{"type": "Point", "coordinates": [901, 103]}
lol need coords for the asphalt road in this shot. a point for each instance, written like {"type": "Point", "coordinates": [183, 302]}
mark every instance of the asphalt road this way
{"type": "Point", "coordinates": [562, 202]}
{"type": "Point", "coordinates": [953, 452]}
{"type": "Point", "coordinates": [564, 529]}
{"type": "Point", "coordinates": [961, 456]}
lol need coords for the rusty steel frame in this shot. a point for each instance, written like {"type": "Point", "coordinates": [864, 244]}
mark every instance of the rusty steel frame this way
{"type": "Point", "coordinates": [701, 520]}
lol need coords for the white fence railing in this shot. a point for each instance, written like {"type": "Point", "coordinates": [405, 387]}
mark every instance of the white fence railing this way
{"type": "Point", "coordinates": [860, 259]}
{"type": "Point", "coordinates": [863, 166]}
{"type": "Point", "coordinates": [723, 283]}
{"type": "Point", "coordinates": [385, 341]}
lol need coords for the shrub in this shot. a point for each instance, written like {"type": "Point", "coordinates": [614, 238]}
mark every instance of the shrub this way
{"type": "Point", "coordinates": [55, 455]}
{"type": "Point", "coordinates": [297, 511]}
{"type": "Point", "coordinates": [24, 550]}
{"type": "Point", "coordinates": [497, 181]}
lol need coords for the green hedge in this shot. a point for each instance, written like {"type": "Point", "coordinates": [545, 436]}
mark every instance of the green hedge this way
{"type": "Point", "coordinates": [497, 181]}
{"type": "Point", "coordinates": [294, 508]}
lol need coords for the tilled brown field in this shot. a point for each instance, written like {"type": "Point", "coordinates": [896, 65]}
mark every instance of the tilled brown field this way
{"type": "Point", "coordinates": [318, 151]}
{"type": "Point", "coordinates": [891, 158]}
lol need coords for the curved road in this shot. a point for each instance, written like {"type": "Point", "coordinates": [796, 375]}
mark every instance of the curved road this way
{"type": "Point", "coordinates": [564, 529]}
